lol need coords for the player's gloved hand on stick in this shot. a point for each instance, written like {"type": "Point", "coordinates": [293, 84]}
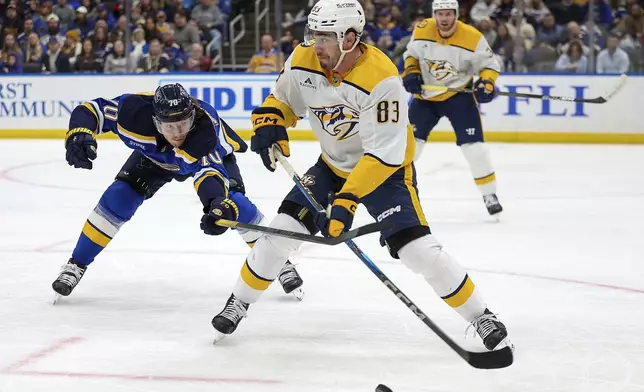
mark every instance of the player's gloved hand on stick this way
{"type": "Point", "coordinates": [219, 208]}
{"type": "Point", "coordinates": [413, 83]}
{"type": "Point", "coordinates": [80, 144]}
{"type": "Point", "coordinates": [484, 91]}
{"type": "Point", "coordinates": [268, 124]}
{"type": "Point", "coordinates": [340, 218]}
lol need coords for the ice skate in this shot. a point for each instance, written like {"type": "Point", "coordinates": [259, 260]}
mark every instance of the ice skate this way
{"type": "Point", "coordinates": [69, 277]}
{"type": "Point", "coordinates": [226, 322]}
{"type": "Point", "coordinates": [492, 331]}
{"type": "Point", "coordinates": [492, 204]}
{"type": "Point", "coordinates": [291, 281]}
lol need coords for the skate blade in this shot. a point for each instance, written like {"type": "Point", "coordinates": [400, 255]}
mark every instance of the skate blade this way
{"type": "Point", "coordinates": [503, 344]}
{"type": "Point", "coordinates": [298, 294]}
{"type": "Point", "coordinates": [57, 298]}
{"type": "Point", "coordinates": [497, 216]}
{"type": "Point", "coordinates": [219, 337]}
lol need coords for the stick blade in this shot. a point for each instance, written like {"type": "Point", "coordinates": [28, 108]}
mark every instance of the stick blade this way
{"type": "Point", "coordinates": [498, 359]}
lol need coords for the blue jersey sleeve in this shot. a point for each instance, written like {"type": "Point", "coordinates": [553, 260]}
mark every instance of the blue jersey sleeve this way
{"type": "Point", "coordinates": [210, 178]}
{"type": "Point", "coordinates": [98, 115]}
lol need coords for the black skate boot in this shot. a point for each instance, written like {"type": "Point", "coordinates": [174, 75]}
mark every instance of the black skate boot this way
{"type": "Point", "coordinates": [492, 331]}
{"type": "Point", "coordinates": [291, 281]}
{"type": "Point", "coordinates": [227, 320]}
{"type": "Point", "coordinates": [492, 204]}
{"type": "Point", "coordinates": [70, 274]}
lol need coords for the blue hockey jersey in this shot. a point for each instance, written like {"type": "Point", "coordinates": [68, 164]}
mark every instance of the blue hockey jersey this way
{"type": "Point", "coordinates": [201, 155]}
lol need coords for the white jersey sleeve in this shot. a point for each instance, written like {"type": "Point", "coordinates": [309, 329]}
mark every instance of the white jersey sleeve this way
{"type": "Point", "coordinates": [287, 91]}
{"type": "Point", "coordinates": [484, 58]}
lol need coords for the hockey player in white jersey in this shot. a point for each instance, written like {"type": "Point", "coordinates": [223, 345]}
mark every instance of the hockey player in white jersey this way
{"type": "Point", "coordinates": [446, 52]}
{"type": "Point", "coordinates": [357, 105]}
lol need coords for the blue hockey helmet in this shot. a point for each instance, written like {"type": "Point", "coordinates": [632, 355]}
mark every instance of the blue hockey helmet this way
{"type": "Point", "coordinates": [174, 110]}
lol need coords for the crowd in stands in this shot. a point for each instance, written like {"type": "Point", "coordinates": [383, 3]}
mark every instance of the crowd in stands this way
{"type": "Point", "coordinates": [88, 36]}
{"type": "Point", "coordinates": [183, 35]}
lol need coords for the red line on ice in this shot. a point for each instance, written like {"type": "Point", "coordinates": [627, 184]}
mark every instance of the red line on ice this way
{"type": "Point", "coordinates": [38, 355]}
{"type": "Point", "coordinates": [137, 377]}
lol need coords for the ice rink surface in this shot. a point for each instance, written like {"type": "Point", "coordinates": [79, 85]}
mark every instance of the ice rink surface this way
{"type": "Point", "coordinates": [564, 269]}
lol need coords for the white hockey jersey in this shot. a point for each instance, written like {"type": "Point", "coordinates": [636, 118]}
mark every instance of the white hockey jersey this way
{"type": "Point", "coordinates": [449, 61]}
{"type": "Point", "coordinates": [359, 118]}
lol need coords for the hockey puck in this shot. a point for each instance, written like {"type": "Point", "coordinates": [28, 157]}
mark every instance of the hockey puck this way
{"type": "Point", "coordinates": [383, 388]}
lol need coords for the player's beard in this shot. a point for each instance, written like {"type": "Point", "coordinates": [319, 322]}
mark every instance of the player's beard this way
{"type": "Point", "coordinates": [176, 142]}
{"type": "Point", "coordinates": [446, 27]}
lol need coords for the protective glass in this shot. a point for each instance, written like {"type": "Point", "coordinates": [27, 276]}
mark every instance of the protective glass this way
{"type": "Point", "coordinates": [324, 39]}
{"type": "Point", "coordinates": [176, 129]}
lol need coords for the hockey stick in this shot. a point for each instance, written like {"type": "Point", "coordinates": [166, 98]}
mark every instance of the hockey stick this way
{"type": "Point", "coordinates": [480, 360]}
{"type": "Point", "coordinates": [601, 99]}
{"type": "Point", "coordinates": [360, 231]}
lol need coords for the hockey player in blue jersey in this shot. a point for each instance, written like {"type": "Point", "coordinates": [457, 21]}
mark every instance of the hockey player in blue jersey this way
{"type": "Point", "coordinates": [174, 137]}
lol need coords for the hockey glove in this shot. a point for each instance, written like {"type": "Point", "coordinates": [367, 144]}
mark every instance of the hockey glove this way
{"type": "Point", "coordinates": [340, 218]}
{"type": "Point", "coordinates": [80, 144]}
{"type": "Point", "coordinates": [413, 83]}
{"type": "Point", "coordinates": [270, 129]}
{"type": "Point", "coordinates": [219, 208]}
{"type": "Point", "coordinates": [484, 91]}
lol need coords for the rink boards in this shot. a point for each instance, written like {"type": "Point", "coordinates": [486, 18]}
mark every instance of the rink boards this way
{"type": "Point", "coordinates": [38, 106]}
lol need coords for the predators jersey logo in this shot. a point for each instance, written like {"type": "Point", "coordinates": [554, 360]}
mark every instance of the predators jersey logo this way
{"type": "Point", "coordinates": [441, 70]}
{"type": "Point", "coordinates": [338, 120]}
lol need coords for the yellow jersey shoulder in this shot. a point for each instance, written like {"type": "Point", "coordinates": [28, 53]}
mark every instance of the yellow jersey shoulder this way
{"type": "Point", "coordinates": [304, 57]}
{"type": "Point", "coordinates": [372, 68]}
{"type": "Point", "coordinates": [466, 37]}
{"type": "Point", "coordinates": [426, 30]}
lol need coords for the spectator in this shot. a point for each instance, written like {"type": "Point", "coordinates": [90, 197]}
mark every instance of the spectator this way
{"type": "Point", "coordinates": [12, 65]}
{"type": "Point", "coordinates": [42, 21]}
{"type": "Point", "coordinates": [33, 50]}
{"type": "Point", "coordinates": [137, 18]}
{"type": "Point", "coordinates": [633, 22]}
{"type": "Point", "coordinates": [83, 22]}
{"type": "Point", "coordinates": [155, 60]}
{"type": "Point", "coordinates": [386, 34]}
{"type": "Point", "coordinates": [549, 33]}
{"type": "Point", "coordinates": [118, 33]}
{"type": "Point", "coordinates": [162, 21]}
{"type": "Point", "coordinates": [174, 6]}
{"type": "Point", "coordinates": [207, 16]}
{"type": "Point", "coordinates": [89, 5]}
{"type": "Point", "coordinates": [151, 31]}
{"type": "Point", "coordinates": [603, 12]}
{"type": "Point", "coordinates": [55, 61]}
{"type": "Point", "coordinates": [32, 11]}
{"type": "Point", "coordinates": [483, 9]}
{"type": "Point", "coordinates": [116, 62]}
{"type": "Point", "coordinates": [286, 43]}
{"type": "Point", "coordinates": [100, 42]}
{"type": "Point", "coordinates": [87, 61]}
{"type": "Point", "coordinates": [525, 29]}
{"type": "Point", "coordinates": [574, 61]}
{"type": "Point", "coordinates": [102, 13]}
{"type": "Point", "coordinates": [12, 22]}
{"type": "Point", "coordinates": [414, 7]}
{"type": "Point", "coordinates": [613, 59]}
{"type": "Point", "coordinates": [72, 46]}
{"type": "Point", "coordinates": [268, 59]}
{"type": "Point", "coordinates": [401, 46]}
{"type": "Point", "coordinates": [173, 50]}
{"type": "Point", "coordinates": [139, 46]}
{"type": "Point", "coordinates": [197, 61]}
{"type": "Point", "coordinates": [53, 30]}
{"type": "Point", "coordinates": [10, 45]}
{"type": "Point", "coordinates": [65, 13]}
{"type": "Point", "coordinates": [574, 32]}
{"type": "Point", "coordinates": [504, 45]}
{"type": "Point", "coordinates": [464, 14]}
{"type": "Point", "coordinates": [487, 28]}
{"type": "Point", "coordinates": [27, 29]}
{"type": "Point", "coordinates": [535, 12]}
{"type": "Point", "coordinates": [185, 34]}
{"type": "Point", "coordinates": [147, 10]}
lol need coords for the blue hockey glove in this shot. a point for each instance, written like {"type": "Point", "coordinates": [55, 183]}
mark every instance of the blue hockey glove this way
{"type": "Point", "coordinates": [219, 208]}
{"type": "Point", "coordinates": [80, 144]}
{"type": "Point", "coordinates": [269, 127]}
{"type": "Point", "coordinates": [413, 83]}
{"type": "Point", "coordinates": [340, 218]}
{"type": "Point", "coordinates": [484, 91]}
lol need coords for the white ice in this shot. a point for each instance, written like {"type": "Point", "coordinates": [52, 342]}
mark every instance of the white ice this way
{"type": "Point", "coordinates": [564, 269]}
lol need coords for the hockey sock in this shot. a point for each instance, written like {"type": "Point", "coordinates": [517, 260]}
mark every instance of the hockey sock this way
{"type": "Point", "coordinates": [425, 256]}
{"type": "Point", "coordinates": [478, 157]}
{"type": "Point", "coordinates": [116, 206]}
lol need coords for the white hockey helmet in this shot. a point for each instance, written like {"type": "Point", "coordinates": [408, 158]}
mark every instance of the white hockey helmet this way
{"type": "Point", "coordinates": [445, 5]}
{"type": "Point", "coordinates": [336, 16]}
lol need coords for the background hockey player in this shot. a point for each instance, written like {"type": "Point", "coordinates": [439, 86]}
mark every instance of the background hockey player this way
{"type": "Point", "coordinates": [446, 52]}
{"type": "Point", "coordinates": [174, 137]}
{"type": "Point", "coordinates": [357, 104]}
